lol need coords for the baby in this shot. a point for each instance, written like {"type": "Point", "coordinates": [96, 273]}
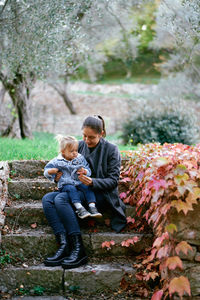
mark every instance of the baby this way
{"type": "Point", "coordinates": [72, 164]}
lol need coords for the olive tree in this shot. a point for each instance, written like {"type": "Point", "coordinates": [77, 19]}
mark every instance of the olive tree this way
{"type": "Point", "coordinates": [52, 39]}
{"type": "Point", "coordinates": [32, 44]}
{"type": "Point", "coordinates": [177, 29]}
{"type": "Point", "coordinates": [102, 22]}
{"type": "Point", "coordinates": [111, 34]}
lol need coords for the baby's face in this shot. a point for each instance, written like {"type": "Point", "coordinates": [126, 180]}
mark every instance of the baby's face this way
{"type": "Point", "coordinates": [70, 153]}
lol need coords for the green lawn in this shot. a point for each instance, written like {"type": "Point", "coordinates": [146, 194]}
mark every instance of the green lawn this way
{"type": "Point", "coordinates": [42, 146]}
{"type": "Point", "coordinates": [142, 79]}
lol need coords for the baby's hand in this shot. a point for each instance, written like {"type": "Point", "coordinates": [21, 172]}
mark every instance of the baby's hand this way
{"type": "Point", "coordinates": [82, 171]}
{"type": "Point", "coordinates": [58, 175]}
{"type": "Point", "coordinates": [53, 171]}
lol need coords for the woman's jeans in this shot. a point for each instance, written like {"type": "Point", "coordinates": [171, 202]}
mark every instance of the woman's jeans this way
{"type": "Point", "coordinates": [75, 195]}
{"type": "Point", "coordinates": [60, 213]}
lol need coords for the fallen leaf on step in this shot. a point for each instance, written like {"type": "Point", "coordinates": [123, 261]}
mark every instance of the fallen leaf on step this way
{"type": "Point", "coordinates": [34, 225]}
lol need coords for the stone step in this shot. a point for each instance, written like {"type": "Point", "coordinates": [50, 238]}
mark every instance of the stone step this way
{"type": "Point", "coordinates": [41, 297]}
{"type": "Point", "coordinates": [36, 244]}
{"type": "Point", "coordinates": [26, 168]}
{"type": "Point", "coordinates": [30, 168]}
{"type": "Point", "coordinates": [87, 280]}
{"type": "Point", "coordinates": [27, 213]}
{"type": "Point", "coordinates": [24, 213]}
{"type": "Point", "coordinates": [34, 188]}
{"type": "Point", "coordinates": [30, 188]}
{"type": "Point", "coordinates": [118, 295]}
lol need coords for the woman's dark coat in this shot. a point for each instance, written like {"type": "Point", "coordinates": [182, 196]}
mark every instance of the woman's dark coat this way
{"type": "Point", "coordinates": [105, 164]}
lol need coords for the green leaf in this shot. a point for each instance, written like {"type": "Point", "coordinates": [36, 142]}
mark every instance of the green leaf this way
{"type": "Point", "coordinates": [171, 228]}
{"type": "Point", "coordinates": [180, 169]}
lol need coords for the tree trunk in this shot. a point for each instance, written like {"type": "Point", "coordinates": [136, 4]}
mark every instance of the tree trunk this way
{"type": "Point", "coordinates": [61, 89]}
{"type": "Point", "coordinates": [19, 94]}
{"type": "Point", "coordinates": [128, 74]}
{"type": "Point", "coordinates": [2, 94]}
{"type": "Point", "coordinates": [68, 102]}
{"type": "Point", "coordinates": [21, 101]}
{"type": "Point", "coordinates": [10, 131]}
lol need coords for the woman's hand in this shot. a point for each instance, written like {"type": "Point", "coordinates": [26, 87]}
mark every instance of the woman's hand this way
{"type": "Point", "coordinates": [82, 171]}
{"type": "Point", "coordinates": [85, 179]}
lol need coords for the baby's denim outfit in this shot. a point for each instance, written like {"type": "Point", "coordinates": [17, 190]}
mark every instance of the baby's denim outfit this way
{"type": "Point", "coordinates": [69, 181]}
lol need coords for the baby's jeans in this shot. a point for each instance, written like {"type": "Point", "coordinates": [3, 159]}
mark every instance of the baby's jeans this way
{"type": "Point", "coordinates": [74, 194]}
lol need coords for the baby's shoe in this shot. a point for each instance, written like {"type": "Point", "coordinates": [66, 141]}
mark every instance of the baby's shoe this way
{"type": "Point", "coordinates": [82, 213]}
{"type": "Point", "coordinates": [94, 212]}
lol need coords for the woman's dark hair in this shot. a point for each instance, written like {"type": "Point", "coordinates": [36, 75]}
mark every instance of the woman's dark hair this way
{"type": "Point", "coordinates": [96, 123]}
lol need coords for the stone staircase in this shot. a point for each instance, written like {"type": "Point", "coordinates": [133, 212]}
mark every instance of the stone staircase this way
{"type": "Point", "coordinates": [27, 239]}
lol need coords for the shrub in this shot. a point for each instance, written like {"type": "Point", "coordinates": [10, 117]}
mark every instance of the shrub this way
{"type": "Point", "coordinates": [164, 121]}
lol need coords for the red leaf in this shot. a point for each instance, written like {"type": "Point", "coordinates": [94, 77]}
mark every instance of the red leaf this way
{"type": "Point", "coordinates": [157, 295]}
{"type": "Point", "coordinates": [162, 252]}
{"type": "Point", "coordinates": [122, 195]}
{"type": "Point", "coordinates": [184, 247]}
{"type": "Point", "coordinates": [173, 262]}
{"type": "Point", "coordinates": [130, 220]}
{"type": "Point", "coordinates": [157, 183]}
{"type": "Point", "coordinates": [165, 208]}
{"type": "Point", "coordinates": [156, 195]}
{"type": "Point", "coordinates": [181, 205]}
{"type": "Point", "coordinates": [126, 179]}
{"type": "Point", "coordinates": [150, 275]}
{"type": "Point", "coordinates": [139, 212]}
{"type": "Point", "coordinates": [108, 244]}
{"type": "Point", "coordinates": [34, 225]}
{"type": "Point", "coordinates": [150, 257]}
{"type": "Point", "coordinates": [140, 176]}
{"type": "Point", "coordinates": [139, 276]}
{"type": "Point", "coordinates": [160, 162]}
{"type": "Point", "coordinates": [129, 242]}
{"type": "Point", "coordinates": [192, 197]}
{"type": "Point", "coordinates": [159, 240]}
{"type": "Point", "coordinates": [179, 285]}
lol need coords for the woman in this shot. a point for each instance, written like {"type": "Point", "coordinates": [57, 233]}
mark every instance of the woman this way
{"type": "Point", "coordinates": [104, 160]}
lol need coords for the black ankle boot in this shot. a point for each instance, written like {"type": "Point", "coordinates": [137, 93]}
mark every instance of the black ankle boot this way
{"type": "Point", "coordinates": [61, 253]}
{"type": "Point", "coordinates": [77, 257]}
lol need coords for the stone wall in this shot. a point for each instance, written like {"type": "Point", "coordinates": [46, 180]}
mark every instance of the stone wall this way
{"type": "Point", "coordinates": [50, 114]}
{"type": "Point", "coordinates": [4, 174]}
{"type": "Point", "coordinates": [188, 229]}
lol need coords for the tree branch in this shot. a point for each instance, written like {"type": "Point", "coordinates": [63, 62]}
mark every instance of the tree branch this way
{"type": "Point", "coordinates": [4, 7]}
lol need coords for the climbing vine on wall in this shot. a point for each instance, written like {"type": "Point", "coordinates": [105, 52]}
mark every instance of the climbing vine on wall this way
{"type": "Point", "coordinates": [162, 181]}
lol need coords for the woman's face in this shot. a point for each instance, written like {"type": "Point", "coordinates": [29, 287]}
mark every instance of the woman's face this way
{"type": "Point", "coordinates": [91, 137]}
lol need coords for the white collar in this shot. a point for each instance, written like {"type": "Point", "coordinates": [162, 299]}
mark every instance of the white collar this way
{"type": "Point", "coordinates": [60, 157]}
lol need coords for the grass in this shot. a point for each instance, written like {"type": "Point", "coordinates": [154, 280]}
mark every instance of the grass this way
{"type": "Point", "coordinates": [143, 71]}
{"type": "Point", "coordinates": [41, 147]}
{"type": "Point", "coordinates": [142, 79]}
